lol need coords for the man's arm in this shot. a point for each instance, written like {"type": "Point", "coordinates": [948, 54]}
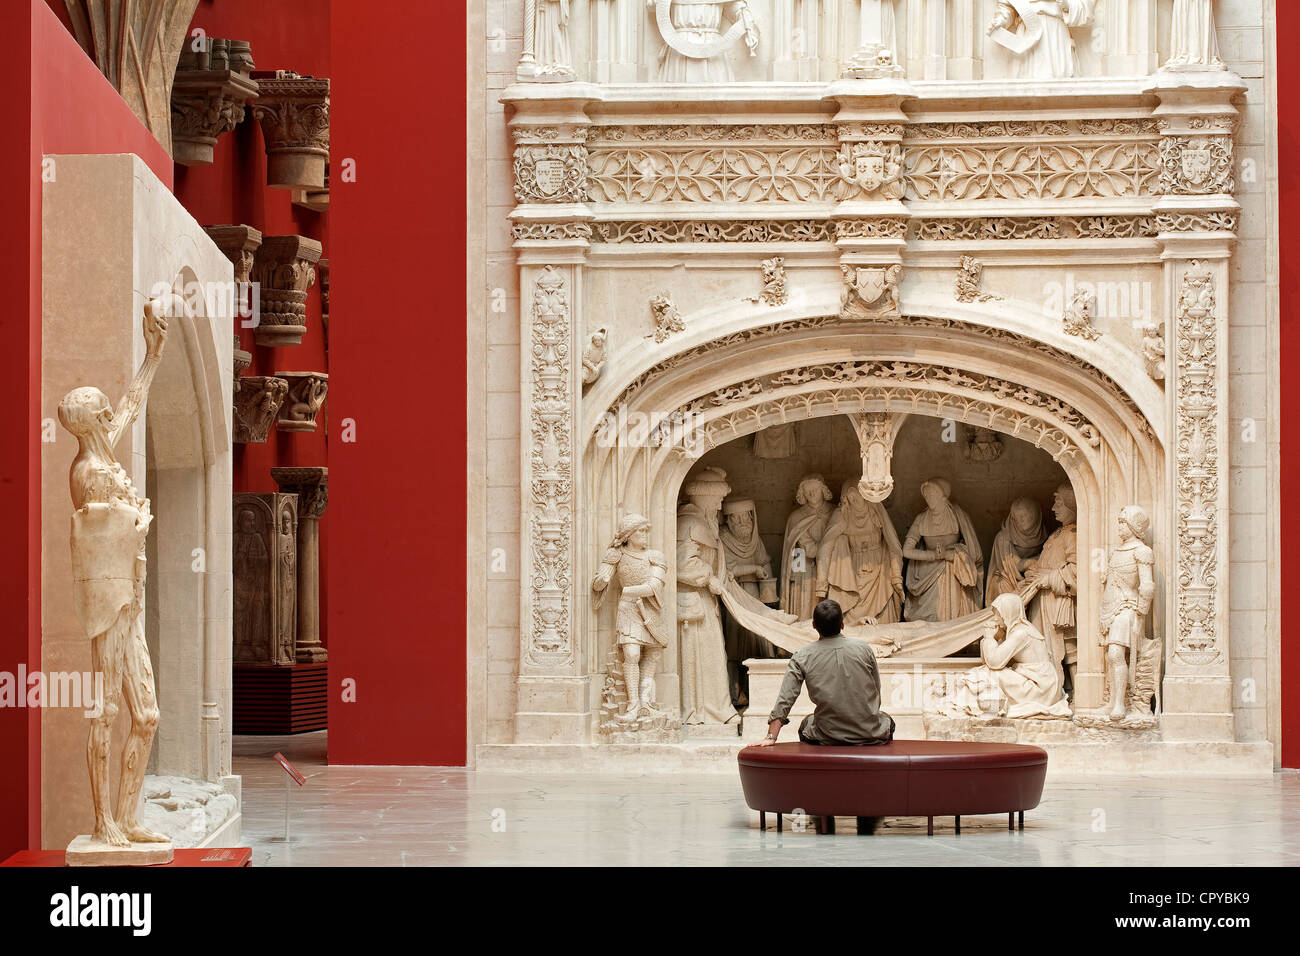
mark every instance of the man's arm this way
{"type": "Point", "coordinates": [155, 336]}
{"type": "Point", "coordinates": [790, 687]}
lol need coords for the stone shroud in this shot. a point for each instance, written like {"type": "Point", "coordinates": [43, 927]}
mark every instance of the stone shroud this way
{"type": "Point", "coordinates": [742, 175]}
{"type": "Point", "coordinates": [311, 485]}
{"type": "Point", "coordinates": [295, 115]}
{"type": "Point", "coordinates": [266, 603]}
{"type": "Point", "coordinates": [285, 268]}
{"type": "Point", "coordinates": [304, 401]}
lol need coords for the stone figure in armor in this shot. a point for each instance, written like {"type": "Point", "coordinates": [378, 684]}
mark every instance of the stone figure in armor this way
{"type": "Point", "coordinates": [1055, 572]}
{"type": "Point", "coordinates": [861, 563]}
{"type": "Point", "coordinates": [1014, 549]}
{"type": "Point", "coordinates": [945, 569]}
{"type": "Point", "coordinates": [800, 553]}
{"type": "Point", "coordinates": [643, 577]}
{"type": "Point", "coordinates": [1127, 589]}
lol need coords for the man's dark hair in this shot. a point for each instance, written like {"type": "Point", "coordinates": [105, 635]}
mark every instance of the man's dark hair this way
{"type": "Point", "coordinates": [828, 618]}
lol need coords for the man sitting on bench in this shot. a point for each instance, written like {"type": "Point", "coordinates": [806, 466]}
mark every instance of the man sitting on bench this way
{"type": "Point", "coordinates": [843, 683]}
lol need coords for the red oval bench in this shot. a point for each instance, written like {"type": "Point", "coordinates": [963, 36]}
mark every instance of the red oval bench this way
{"type": "Point", "coordinates": [904, 778]}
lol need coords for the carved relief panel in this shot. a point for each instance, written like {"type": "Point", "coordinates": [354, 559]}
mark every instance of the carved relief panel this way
{"type": "Point", "coordinates": [265, 567]}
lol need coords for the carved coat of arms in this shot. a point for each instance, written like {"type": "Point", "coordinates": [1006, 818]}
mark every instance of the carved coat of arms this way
{"type": "Point", "coordinates": [874, 168]}
{"type": "Point", "coordinates": [870, 290]}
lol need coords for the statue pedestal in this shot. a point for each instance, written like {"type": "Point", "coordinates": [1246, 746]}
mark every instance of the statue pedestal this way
{"type": "Point", "coordinates": [86, 850]}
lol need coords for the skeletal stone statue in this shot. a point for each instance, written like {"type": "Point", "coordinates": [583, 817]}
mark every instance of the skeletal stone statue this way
{"type": "Point", "coordinates": [641, 636]}
{"type": "Point", "coordinates": [593, 357]}
{"type": "Point", "coordinates": [109, 528]}
{"type": "Point", "coordinates": [1127, 590]}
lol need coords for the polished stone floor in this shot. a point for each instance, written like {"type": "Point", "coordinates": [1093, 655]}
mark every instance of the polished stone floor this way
{"type": "Point", "coordinates": [409, 816]}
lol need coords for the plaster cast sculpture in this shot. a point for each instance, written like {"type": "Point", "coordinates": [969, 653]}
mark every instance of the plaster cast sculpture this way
{"type": "Point", "coordinates": [1042, 44]}
{"type": "Point", "coordinates": [774, 287]}
{"type": "Point", "coordinates": [701, 577]}
{"type": "Point", "coordinates": [1014, 549]}
{"type": "Point", "coordinates": [876, 55]}
{"type": "Point", "coordinates": [666, 317]}
{"type": "Point", "coordinates": [800, 551]}
{"type": "Point", "coordinates": [1056, 575]}
{"type": "Point", "coordinates": [109, 528]}
{"type": "Point", "coordinates": [1128, 587]}
{"type": "Point", "coordinates": [257, 401]}
{"type": "Point", "coordinates": [641, 635]}
{"type": "Point", "coordinates": [306, 396]}
{"type": "Point", "coordinates": [695, 42]}
{"type": "Point", "coordinates": [311, 485]}
{"type": "Point", "coordinates": [264, 564]}
{"type": "Point", "coordinates": [1153, 349]}
{"type": "Point", "coordinates": [875, 168]}
{"type": "Point", "coordinates": [1018, 677]}
{"type": "Point", "coordinates": [593, 357]}
{"type": "Point", "coordinates": [970, 275]}
{"type": "Point", "coordinates": [876, 431]}
{"type": "Point", "coordinates": [554, 60]}
{"type": "Point", "coordinates": [775, 441]}
{"type": "Point", "coordinates": [945, 569]}
{"type": "Point", "coordinates": [860, 562]}
{"type": "Point", "coordinates": [749, 566]}
{"type": "Point", "coordinates": [869, 291]}
{"type": "Point", "coordinates": [1077, 318]}
{"type": "Point", "coordinates": [1193, 41]}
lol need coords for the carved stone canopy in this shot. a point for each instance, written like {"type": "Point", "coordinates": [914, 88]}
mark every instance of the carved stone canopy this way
{"type": "Point", "coordinates": [209, 92]}
{"type": "Point", "coordinates": [310, 484]}
{"type": "Point", "coordinates": [295, 115]}
{"type": "Point", "coordinates": [306, 396]}
{"type": "Point", "coordinates": [284, 268]}
{"type": "Point", "coordinates": [257, 400]}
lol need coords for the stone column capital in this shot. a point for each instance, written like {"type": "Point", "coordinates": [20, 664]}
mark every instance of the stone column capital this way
{"type": "Point", "coordinates": [310, 484]}
{"type": "Point", "coordinates": [306, 396]}
{"type": "Point", "coordinates": [257, 400]}
{"type": "Point", "coordinates": [284, 268]}
{"type": "Point", "coordinates": [239, 243]}
{"type": "Point", "coordinates": [208, 96]}
{"type": "Point", "coordinates": [294, 112]}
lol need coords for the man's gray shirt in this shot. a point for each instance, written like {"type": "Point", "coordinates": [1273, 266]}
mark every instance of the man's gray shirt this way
{"type": "Point", "coordinates": [844, 686]}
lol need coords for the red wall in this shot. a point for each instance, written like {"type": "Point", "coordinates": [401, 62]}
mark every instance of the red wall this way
{"type": "Point", "coordinates": [56, 102]}
{"type": "Point", "coordinates": [1288, 97]}
{"type": "Point", "coordinates": [232, 189]}
{"type": "Point", "coordinates": [397, 539]}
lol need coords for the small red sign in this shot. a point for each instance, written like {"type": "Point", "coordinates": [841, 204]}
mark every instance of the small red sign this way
{"type": "Point", "coordinates": [298, 778]}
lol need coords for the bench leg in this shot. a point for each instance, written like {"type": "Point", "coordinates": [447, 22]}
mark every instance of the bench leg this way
{"type": "Point", "coordinates": [867, 825]}
{"type": "Point", "coordinates": [762, 820]}
{"type": "Point", "coordinates": [1022, 819]}
{"type": "Point", "coordinates": [929, 826]}
{"type": "Point", "coordinates": [778, 823]}
{"type": "Point", "coordinates": [958, 819]}
{"type": "Point", "coordinates": [825, 825]}
{"type": "Point", "coordinates": [1011, 820]}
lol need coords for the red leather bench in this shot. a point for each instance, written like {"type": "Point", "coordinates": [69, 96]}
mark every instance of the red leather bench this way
{"type": "Point", "coordinates": [904, 778]}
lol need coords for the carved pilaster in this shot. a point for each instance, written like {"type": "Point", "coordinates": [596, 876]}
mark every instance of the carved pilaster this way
{"type": "Point", "coordinates": [257, 400]}
{"type": "Point", "coordinates": [265, 565]}
{"type": "Point", "coordinates": [311, 485]}
{"type": "Point", "coordinates": [303, 403]}
{"type": "Point", "coordinates": [209, 92]}
{"type": "Point", "coordinates": [284, 269]}
{"type": "Point", "coordinates": [295, 115]}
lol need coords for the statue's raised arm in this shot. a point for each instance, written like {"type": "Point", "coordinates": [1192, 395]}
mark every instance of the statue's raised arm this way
{"type": "Point", "coordinates": [155, 337]}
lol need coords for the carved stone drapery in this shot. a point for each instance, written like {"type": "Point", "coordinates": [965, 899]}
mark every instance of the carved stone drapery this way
{"type": "Point", "coordinates": [284, 268]}
{"type": "Point", "coordinates": [549, 497]}
{"type": "Point", "coordinates": [311, 485]}
{"type": "Point", "coordinates": [257, 400]}
{"type": "Point", "coordinates": [265, 567]}
{"type": "Point", "coordinates": [303, 403]}
{"type": "Point", "coordinates": [208, 97]}
{"type": "Point", "coordinates": [294, 112]}
{"type": "Point", "coordinates": [1196, 456]}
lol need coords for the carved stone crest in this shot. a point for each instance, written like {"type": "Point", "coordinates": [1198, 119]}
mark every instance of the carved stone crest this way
{"type": "Point", "coordinates": [874, 167]}
{"type": "Point", "coordinates": [870, 290]}
{"type": "Point", "coordinates": [1196, 165]}
{"type": "Point", "coordinates": [550, 173]}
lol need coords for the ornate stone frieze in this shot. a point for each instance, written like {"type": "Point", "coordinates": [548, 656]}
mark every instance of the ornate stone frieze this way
{"type": "Point", "coordinates": [550, 231]}
{"type": "Point", "coordinates": [666, 318]}
{"type": "Point", "coordinates": [549, 508]}
{"type": "Point", "coordinates": [1222, 221]}
{"type": "Point", "coordinates": [876, 227]}
{"type": "Point", "coordinates": [1035, 227]}
{"type": "Point", "coordinates": [257, 400]}
{"type": "Point", "coordinates": [718, 133]}
{"type": "Point", "coordinates": [715, 230]}
{"type": "Point", "coordinates": [303, 403]}
{"type": "Point", "coordinates": [1196, 454]}
{"type": "Point", "coordinates": [1020, 129]}
{"type": "Point", "coordinates": [294, 112]}
{"type": "Point", "coordinates": [1027, 413]}
{"type": "Point", "coordinates": [773, 329]}
{"type": "Point", "coordinates": [284, 268]}
{"type": "Point", "coordinates": [208, 94]}
{"type": "Point", "coordinates": [1196, 165]}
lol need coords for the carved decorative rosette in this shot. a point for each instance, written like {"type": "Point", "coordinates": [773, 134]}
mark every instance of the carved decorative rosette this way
{"type": "Point", "coordinates": [1196, 462]}
{"type": "Point", "coordinates": [208, 97]}
{"type": "Point", "coordinates": [294, 112]}
{"type": "Point", "coordinates": [303, 403]}
{"type": "Point", "coordinates": [549, 452]}
{"type": "Point", "coordinates": [284, 269]}
{"type": "Point", "coordinates": [550, 164]}
{"type": "Point", "coordinates": [256, 403]}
